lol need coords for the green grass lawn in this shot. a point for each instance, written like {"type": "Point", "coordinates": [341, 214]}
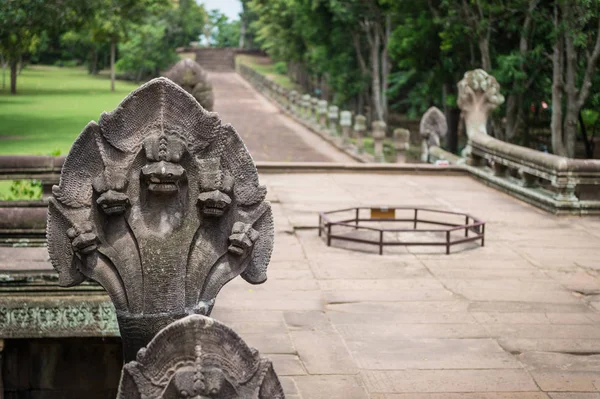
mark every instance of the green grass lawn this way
{"type": "Point", "coordinates": [266, 67]}
{"type": "Point", "coordinates": [52, 107]}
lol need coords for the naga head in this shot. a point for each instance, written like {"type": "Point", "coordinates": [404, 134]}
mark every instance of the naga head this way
{"type": "Point", "coordinates": [199, 382]}
{"type": "Point", "coordinates": [83, 239]}
{"type": "Point", "coordinates": [242, 238]}
{"type": "Point", "coordinates": [111, 184]}
{"type": "Point", "coordinates": [163, 173]}
{"type": "Point", "coordinates": [216, 187]}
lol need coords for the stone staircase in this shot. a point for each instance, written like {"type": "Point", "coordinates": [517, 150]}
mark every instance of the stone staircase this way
{"type": "Point", "coordinates": [216, 59]}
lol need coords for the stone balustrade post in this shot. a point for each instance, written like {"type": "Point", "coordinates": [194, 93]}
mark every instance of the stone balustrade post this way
{"type": "Point", "coordinates": [293, 106]}
{"type": "Point", "coordinates": [333, 116]}
{"type": "Point", "coordinates": [401, 143]}
{"type": "Point", "coordinates": [378, 128]}
{"type": "Point", "coordinates": [306, 106]}
{"type": "Point", "coordinates": [346, 125]}
{"type": "Point", "coordinates": [314, 117]}
{"type": "Point", "coordinates": [432, 129]}
{"type": "Point", "coordinates": [322, 111]}
{"type": "Point", "coordinates": [283, 96]}
{"type": "Point", "coordinates": [360, 127]}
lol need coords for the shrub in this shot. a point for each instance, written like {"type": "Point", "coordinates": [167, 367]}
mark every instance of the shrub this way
{"type": "Point", "coordinates": [23, 190]}
{"type": "Point", "coordinates": [280, 68]}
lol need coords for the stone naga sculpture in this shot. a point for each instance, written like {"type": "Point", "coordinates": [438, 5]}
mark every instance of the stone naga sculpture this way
{"type": "Point", "coordinates": [432, 128]}
{"type": "Point", "coordinates": [192, 78]}
{"type": "Point", "coordinates": [478, 95]}
{"type": "Point", "coordinates": [160, 203]}
{"type": "Point", "coordinates": [198, 357]}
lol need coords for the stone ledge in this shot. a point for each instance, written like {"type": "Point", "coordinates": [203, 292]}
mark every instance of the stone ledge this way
{"type": "Point", "coordinates": [57, 316]}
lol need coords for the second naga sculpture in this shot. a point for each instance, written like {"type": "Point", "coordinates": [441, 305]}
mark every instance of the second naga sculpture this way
{"type": "Point", "coordinates": [160, 203]}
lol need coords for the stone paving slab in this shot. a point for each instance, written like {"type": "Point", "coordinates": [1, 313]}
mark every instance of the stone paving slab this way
{"type": "Point", "coordinates": [268, 133]}
{"type": "Point", "coordinates": [512, 320]}
{"type": "Point", "coordinates": [498, 322]}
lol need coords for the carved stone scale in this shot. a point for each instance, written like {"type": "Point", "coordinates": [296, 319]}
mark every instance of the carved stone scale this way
{"type": "Point", "coordinates": [198, 357]}
{"type": "Point", "coordinates": [160, 203]}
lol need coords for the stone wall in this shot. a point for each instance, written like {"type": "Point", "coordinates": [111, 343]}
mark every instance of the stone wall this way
{"type": "Point", "coordinates": [61, 368]}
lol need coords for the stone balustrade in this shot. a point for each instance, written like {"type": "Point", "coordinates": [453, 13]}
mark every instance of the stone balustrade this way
{"type": "Point", "coordinates": [557, 184]}
{"type": "Point", "coordinates": [329, 121]}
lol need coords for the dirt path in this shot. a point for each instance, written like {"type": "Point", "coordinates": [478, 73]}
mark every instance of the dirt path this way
{"type": "Point", "coordinates": [268, 134]}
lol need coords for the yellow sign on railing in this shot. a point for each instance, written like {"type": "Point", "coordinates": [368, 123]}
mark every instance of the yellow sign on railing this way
{"type": "Point", "coordinates": [383, 213]}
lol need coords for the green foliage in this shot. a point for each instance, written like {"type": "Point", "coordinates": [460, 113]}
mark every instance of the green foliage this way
{"type": "Point", "coordinates": [184, 23]}
{"type": "Point", "coordinates": [315, 34]}
{"type": "Point", "coordinates": [22, 190]}
{"type": "Point", "coordinates": [25, 25]}
{"type": "Point", "coordinates": [280, 68]}
{"type": "Point", "coordinates": [146, 52]}
{"type": "Point", "coordinates": [220, 32]}
{"type": "Point", "coordinates": [264, 66]}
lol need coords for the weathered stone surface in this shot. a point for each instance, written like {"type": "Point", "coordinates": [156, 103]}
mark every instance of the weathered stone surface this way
{"type": "Point", "coordinates": [331, 387]}
{"type": "Point", "coordinates": [448, 381]}
{"type": "Point", "coordinates": [192, 78]}
{"type": "Point", "coordinates": [523, 245]}
{"type": "Point", "coordinates": [199, 357]}
{"type": "Point", "coordinates": [433, 127]}
{"type": "Point", "coordinates": [159, 203]}
{"type": "Point", "coordinates": [466, 395]}
{"type": "Point", "coordinates": [400, 353]}
{"type": "Point", "coordinates": [478, 95]}
{"type": "Point", "coordinates": [323, 352]}
{"type": "Point", "coordinates": [558, 380]}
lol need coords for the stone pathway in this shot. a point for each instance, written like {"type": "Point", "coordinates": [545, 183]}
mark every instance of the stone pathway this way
{"type": "Point", "coordinates": [517, 319]}
{"type": "Point", "coordinates": [268, 134]}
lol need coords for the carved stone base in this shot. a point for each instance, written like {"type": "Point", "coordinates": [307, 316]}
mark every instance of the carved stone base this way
{"type": "Point", "coordinates": [138, 330]}
{"type": "Point", "coordinates": [198, 357]}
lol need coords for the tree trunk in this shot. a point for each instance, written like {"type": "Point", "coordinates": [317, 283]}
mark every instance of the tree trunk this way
{"type": "Point", "coordinates": [558, 146]}
{"type": "Point", "coordinates": [14, 66]}
{"type": "Point", "coordinates": [375, 43]}
{"type": "Point", "coordinates": [3, 71]}
{"type": "Point", "coordinates": [385, 66]}
{"type": "Point", "coordinates": [453, 120]}
{"type": "Point", "coordinates": [94, 66]}
{"type": "Point", "coordinates": [484, 48]}
{"type": "Point", "coordinates": [242, 32]}
{"type": "Point", "coordinates": [572, 109]}
{"type": "Point", "coordinates": [514, 116]}
{"type": "Point", "coordinates": [113, 50]}
{"type": "Point", "coordinates": [589, 145]}
{"type": "Point", "coordinates": [514, 102]}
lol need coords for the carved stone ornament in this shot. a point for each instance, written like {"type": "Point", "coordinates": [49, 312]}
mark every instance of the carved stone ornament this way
{"type": "Point", "coordinates": [159, 203]}
{"type": "Point", "coordinates": [433, 127]}
{"type": "Point", "coordinates": [192, 78]}
{"type": "Point", "coordinates": [198, 357]}
{"type": "Point", "coordinates": [478, 95]}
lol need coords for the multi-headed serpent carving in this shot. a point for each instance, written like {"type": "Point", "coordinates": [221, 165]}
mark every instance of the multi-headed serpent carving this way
{"type": "Point", "coordinates": [198, 357]}
{"type": "Point", "coordinates": [159, 203]}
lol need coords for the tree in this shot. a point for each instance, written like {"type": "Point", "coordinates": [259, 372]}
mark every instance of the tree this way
{"type": "Point", "coordinates": [112, 20]}
{"type": "Point", "coordinates": [185, 23]}
{"type": "Point", "coordinates": [22, 23]}
{"type": "Point", "coordinates": [4, 65]}
{"type": "Point", "coordinates": [222, 32]}
{"type": "Point", "coordinates": [146, 52]}
{"type": "Point", "coordinates": [574, 61]}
